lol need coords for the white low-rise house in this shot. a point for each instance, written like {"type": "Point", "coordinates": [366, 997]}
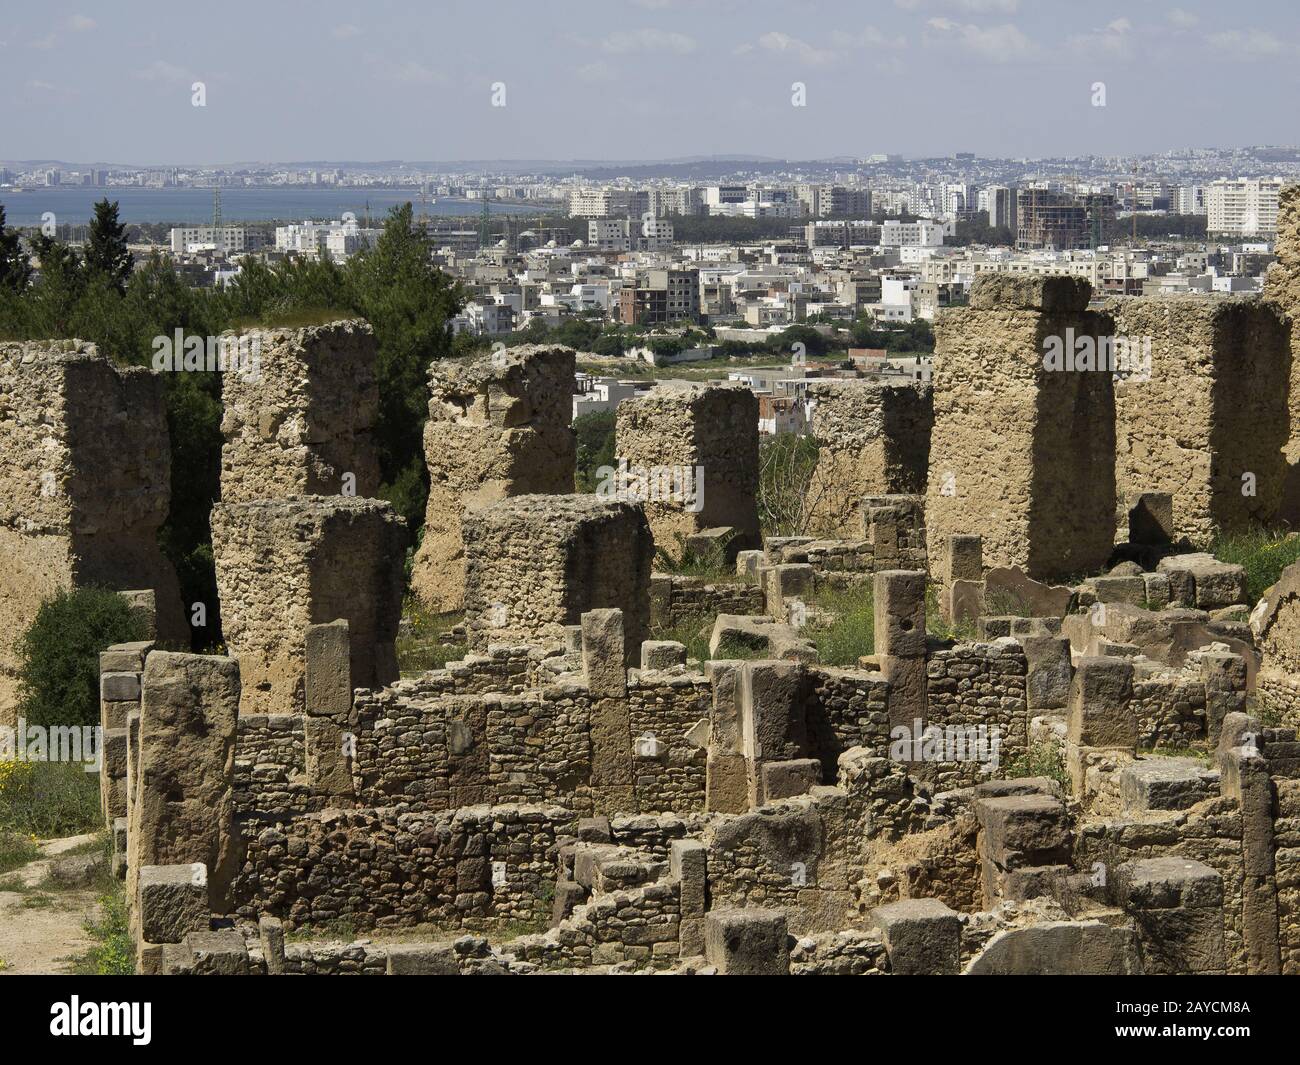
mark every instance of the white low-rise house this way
{"type": "Point", "coordinates": [595, 395]}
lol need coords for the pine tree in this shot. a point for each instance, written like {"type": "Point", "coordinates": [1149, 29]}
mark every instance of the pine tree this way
{"type": "Point", "coordinates": [15, 270]}
{"type": "Point", "coordinates": [106, 250]}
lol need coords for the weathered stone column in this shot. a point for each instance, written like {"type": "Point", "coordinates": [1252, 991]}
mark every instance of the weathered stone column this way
{"type": "Point", "coordinates": [302, 421]}
{"type": "Point", "coordinates": [284, 565]}
{"type": "Point", "coordinates": [1207, 420]}
{"type": "Point", "coordinates": [85, 484]}
{"type": "Point", "coordinates": [536, 564]}
{"type": "Point", "coordinates": [693, 452]}
{"type": "Point", "coordinates": [1023, 452]}
{"type": "Point", "coordinates": [499, 426]}
{"type": "Point", "coordinates": [875, 440]}
{"type": "Point", "coordinates": [899, 603]}
{"type": "Point", "coordinates": [184, 764]}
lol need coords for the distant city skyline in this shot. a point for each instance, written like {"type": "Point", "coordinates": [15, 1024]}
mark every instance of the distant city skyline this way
{"type": "Point", "coordinates": [643, 80]}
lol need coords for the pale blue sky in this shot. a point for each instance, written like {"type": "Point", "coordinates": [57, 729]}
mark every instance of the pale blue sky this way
{"type": "Point", "coordinates": [640, 79]}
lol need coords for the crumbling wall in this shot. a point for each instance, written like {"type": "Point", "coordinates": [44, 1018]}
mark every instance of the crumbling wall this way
{"type": "Point", "coordinates": [1276, 624]}
{"type": "Point", "coordinates": [1282, 285]}
{"type": "Point", "coordinates": [499, 426]}
{"type": "Point", "coordinates": [1208, 421]}
{"type": "Point", "coordinates": [302, 417]}
{"type": "Point", "coordinates": [535, 564]}
{"type": "Point", "coordinates": [706, 437]}
{"type": "Point", "coordinates": [674, 598]}
{"type": "Point", "coordinates": [1022, 455]}
{"type": "Point", "coordinates": [85, 468]}
{"type": "Point", "coordinates": [285, 564]}
{"type": "Point", "coordinates": [874, 440]}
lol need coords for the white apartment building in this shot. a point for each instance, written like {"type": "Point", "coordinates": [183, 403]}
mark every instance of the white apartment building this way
{"type": "Point", "coordinates": [230, 240]}
{"type": "Point", "coordinates": [1243, 207]}
{"type": "Point", "coordinates": [895, 234]}
{"type": "Point", "coordinates": [339, 240]}
{"type": "Point", "coordinates": [625, 234]}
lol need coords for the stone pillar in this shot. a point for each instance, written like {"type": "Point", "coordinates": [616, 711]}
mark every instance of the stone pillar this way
{"type": "Point", "coordinates": [772, 698]}
{"type": "Point", "coordinates": [899, 603]}
{"type": "Point", "coordinates": [284, 565]}
{"type": "Point", "coordinates": [536, 564]}
{"type": "Point", "coordinates": [182, 812]}
{"type": "Point", "coordinates": [499, 426]}
{"type": "Point", "coordinates": [1244, 776]}
{"type": "Point", "coordinates": [120, 668]}
{"type": "Point", "coordinates": [922, 937]}
{"type": "Point", "coordinates": [726, 787]}
{"type": "Point", "coordinates": [301, 420]}
{"type": "Point", "coordinates": [1207, 421]}
{"type": "Point", "coordinates": [1282, 285]}
{"type": "Point", "coordinates": [604, 665]}
{"type": "Point", "coordinates": [691, 456]}
{"type": "Point", "coordinates": [747, 942]}
{"type": "Point", "coordinates": [962, 589]}
{"type": "Point", "coordinates": [874, 440]}
{"type": "Point", "coordinates": [1100, 715]}
{"type": "Point", "coordinates": [1023, 453]}
{"type": "Point", "coordinates": [85, 484]}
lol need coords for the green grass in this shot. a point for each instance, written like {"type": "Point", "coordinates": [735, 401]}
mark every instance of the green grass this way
{"type": "Point", "coordinates": [961, 632]}
{"type": "Point", "coordinates": [48, 799]}
{"type": "Point", "coordinates": [423, 649]}
{"type": "Point", "coordinates": [15, 852]}
{"type": "Point", "coordinates": [113, 952]}
{"type": "Point", "coordinates": [1200, 754]}
{"type": "Point", "coordinates": [292, 318]}
{"type": "Point", "coordinates": [693, 632]}
{"type": "Point", "coordinates": [1041, 760]}
{"type": "Point", "coordinates": [1264, 554]}
{"type": "Point", "coordinates": [852, 631]}
{"type": "Point", "coordinates": [712, 564]}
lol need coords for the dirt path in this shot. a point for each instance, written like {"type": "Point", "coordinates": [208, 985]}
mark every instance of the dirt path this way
{"type": "Point", "coordinates": [40, 930]}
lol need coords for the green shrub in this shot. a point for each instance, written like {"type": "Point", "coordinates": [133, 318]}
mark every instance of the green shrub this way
{"type": "Point", "coordinates": [16, 850]}
{"type": "Point", "coordinates": [114, 951]}
{"type": "Point", "coordinates": [58, 672]}
{"type": "Point", "coordinates": [1041, 760]}
{"type": "Point", "coordinates": [48, 799]}
{"type": "Point", "coordinates": [851, 633]}
{"type": "Point", "coordinates": [693, 632]}
{"type": "Point", "coordinates": [1263, 553]}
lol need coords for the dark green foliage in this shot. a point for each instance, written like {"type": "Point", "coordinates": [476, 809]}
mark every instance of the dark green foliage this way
{"type": "Point", "coordinates": [58, 672]}
{"type": "Point", "coordinates": [595, 433]}
{"type": "Point", "coordinates": [106, 252]}
{"type": "Point", "coordinates": [15, 271]}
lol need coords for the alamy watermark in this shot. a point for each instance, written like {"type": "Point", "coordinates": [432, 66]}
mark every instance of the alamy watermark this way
{"type": "Point", "coordinates": [952, 743]}
{"type": "Point", "coordinates": [228, 353]}
{"type": "Point", "coordinates": [1124, 356]}
{"type": "Point", "coordinates": [53, 743]}
{"type": "Point", "coordinates": [653, 484]}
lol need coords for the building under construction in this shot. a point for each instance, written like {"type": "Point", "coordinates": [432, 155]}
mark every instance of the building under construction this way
{"type": "Point", "coordinates": [1059, 221]}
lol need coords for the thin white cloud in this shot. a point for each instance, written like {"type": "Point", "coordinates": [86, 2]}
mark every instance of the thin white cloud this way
{"type": "Point", "coordinates": [345, 32]}
{"type": "Point", "coordinates": [784, 44]}
{"type": "Point", "coordinates": [43, 43]}
{"type": "Point", "coordinates": [1248, 44]}
{"type": "Point", "coordinates": [627, 42]}
{"type": "Point", "coordinates": [81, 23]}
{"type": "Point", "coordinates": [1184, 20]}
{"type": "Point", "coordinates": [998, 44]}
{"type": "Point", "coordinates": [1114, 41]}
{"type": "Point", "coordinates": [868, 38]}
{"type": "Point", "coordinates": [970, 7]}
{"type": "Point", "coordinates": [161, 70]}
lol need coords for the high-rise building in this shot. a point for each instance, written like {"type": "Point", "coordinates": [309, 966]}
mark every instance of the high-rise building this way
{"type": "Point", "coordinates": [1047, 220]}
{"type": "Point", "coordinates": [1243, 207]}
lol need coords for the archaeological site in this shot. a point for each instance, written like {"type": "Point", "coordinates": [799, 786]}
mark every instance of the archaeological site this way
{"type": "Point", "coordinates": [1069, 746]}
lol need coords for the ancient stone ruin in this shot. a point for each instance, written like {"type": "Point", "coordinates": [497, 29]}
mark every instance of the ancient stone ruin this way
{"type": "Point", "coordinates": [1207, 419]}
{"type": "Point", "coordinates": [1071, 748]}
{"type": "Point", "coordinates": [691, 458]}
{"type": "Point", "coordinates": [1021, 454]}
{"type": "Point", "coordinates": [875, 440]}
{"type": "Point", "coordinates": [84, 487]}
{"type": "Point", "coordinates": [498, 427]}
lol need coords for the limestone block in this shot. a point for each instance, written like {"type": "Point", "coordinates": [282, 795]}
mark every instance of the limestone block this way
{"type": "Point", "coordinates": [746, 942]}
{"type": "Point", "coordinates": [173, 902]}
{"type": "Point", "coordinates": [922, 937]}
